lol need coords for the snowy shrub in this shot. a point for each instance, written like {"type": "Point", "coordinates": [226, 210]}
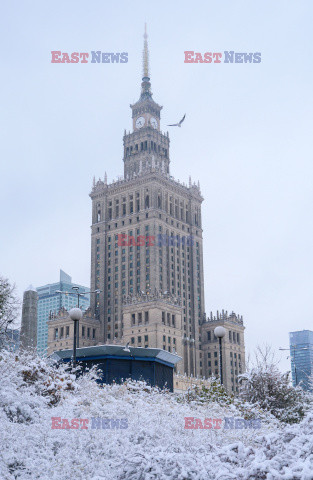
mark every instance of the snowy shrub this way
{"type": "Point", "coordinates": [155, 445]}
{"type": "Point", "coordinates": [270, 389]}
{"type": "Point", "coordinates": [202, 394]}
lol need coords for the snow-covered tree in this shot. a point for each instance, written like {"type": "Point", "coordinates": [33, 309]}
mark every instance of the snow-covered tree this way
{"type": "Point", "coordinates": [263, 384]}
{"type": "Point", "coordinates": [9, 307]}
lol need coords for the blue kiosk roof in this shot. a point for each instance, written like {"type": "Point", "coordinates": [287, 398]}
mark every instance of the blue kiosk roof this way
{"type": "Point", "coordinates": [118, 351]}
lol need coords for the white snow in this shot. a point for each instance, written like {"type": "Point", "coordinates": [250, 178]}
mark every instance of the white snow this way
{"type": "Point", "coordinates": [154, 446]}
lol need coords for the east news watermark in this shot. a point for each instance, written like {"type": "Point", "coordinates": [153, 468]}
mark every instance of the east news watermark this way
{"type": "Point", "coordinates": [190, 423]}
{"type": "Point", "coordinates": [95, 56]}
{"type": "Point", "coordinates": [190, 56]}
{"type": "Point", "coordinates": [226, 423]}
{"type": "Point", "coordinates": [228, 56]}
{"type": "Point", "coordinates": [159, 240]}
{"type": "Point", "coordinates": [94, 423]}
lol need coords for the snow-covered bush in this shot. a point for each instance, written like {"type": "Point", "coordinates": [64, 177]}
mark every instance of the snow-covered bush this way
{"type": "Point", "coordinates": [29, 382]}
{"type": "Point", "coordinates": [155, 445]}
{"type": "Point", "coordinates": [265, 386]}
{"type": "Point", "coordinates": [214, 392]}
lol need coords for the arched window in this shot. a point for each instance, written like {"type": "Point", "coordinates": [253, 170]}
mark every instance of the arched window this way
{"type": "Point", "coordinates": [147, 201]}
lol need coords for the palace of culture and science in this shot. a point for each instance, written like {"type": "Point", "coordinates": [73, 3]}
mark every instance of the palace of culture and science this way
{"type": "Point", "coordinates": [147, 256]}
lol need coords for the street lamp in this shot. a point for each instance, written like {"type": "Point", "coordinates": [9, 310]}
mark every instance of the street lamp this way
{"type": "Point", "coordinates": [220, 332]}
{"type": "Point", "coordinates": [78, 294]}
{"type": "Point", "coordinates": [75, 315]}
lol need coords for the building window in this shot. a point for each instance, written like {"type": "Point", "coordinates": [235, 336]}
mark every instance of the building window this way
{"type": "Point", "coordinates": [146, 317]}
{"type": "Point", "coordinates": [83, 331]}
{"type": "Point", "coordinates": [93, 333]}
{"type": "Point", "coordinates": [67, 332]}
{"type": "Point", "coordinates": [56, 334]}
{"type": "Point", "coordinates": [139, 339]}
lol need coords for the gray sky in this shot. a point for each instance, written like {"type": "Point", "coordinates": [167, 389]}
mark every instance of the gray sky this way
{"type": "Point", "coordinates": [247, 137]}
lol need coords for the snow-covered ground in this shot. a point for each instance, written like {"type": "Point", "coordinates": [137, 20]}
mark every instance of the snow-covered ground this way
{"type": "Point", "coordinates": [155, 444]}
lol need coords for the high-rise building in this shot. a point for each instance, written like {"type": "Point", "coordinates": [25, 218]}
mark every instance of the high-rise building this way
{"type": "Point", "coordinates": [51, 302]}
{"type": "Point", "coordinates": [301, 355]}
{"type": "Point", "coordinates": [146, 244]}
{"type": "Point", "coordinates": [28, 336]}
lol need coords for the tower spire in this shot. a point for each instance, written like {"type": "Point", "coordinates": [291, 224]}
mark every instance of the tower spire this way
{"type": "Point", "coordinates": [145, 55]}
{"type": "Point", "coordinates": [145, 85]}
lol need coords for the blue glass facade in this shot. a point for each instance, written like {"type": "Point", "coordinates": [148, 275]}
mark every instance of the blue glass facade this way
{"type": "Point", "coordinates": [50, 301]}
{"type": "Point", "coordinates": [301, 354]}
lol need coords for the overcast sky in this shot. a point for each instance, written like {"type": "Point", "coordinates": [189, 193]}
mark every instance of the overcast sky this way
{"type": "Point", "coordinates": [247, 137]}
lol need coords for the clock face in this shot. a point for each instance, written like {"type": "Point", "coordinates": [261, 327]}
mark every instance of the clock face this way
{"type": "Point", "coordinates": [154, 122]}
{"type": "Point", "coordinates": [140, 122]}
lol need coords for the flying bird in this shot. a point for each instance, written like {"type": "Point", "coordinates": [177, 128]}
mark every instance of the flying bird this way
{"type": "Point", "coordinates": [178, 124]}
{"type": "Point", "coordinates": [126, 349]}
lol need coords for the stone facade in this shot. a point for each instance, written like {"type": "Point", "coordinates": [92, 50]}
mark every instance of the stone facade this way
{"type": "Point", "coordinates": [61, 331]}
{"type": "Point", "coordinates": [233, 349]}
{"type": "Point", "coordinates": [182, 383]}
{"type": "Point", "coordinates": [159, 219]}
{"type": "Point", "coordinates": [154, 321]}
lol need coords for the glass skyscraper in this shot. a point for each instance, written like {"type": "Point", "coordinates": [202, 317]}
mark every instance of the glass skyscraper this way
{"type": "Point", "coordinates": [50, 301]}
{"type": "Point", "coordinates": [301, 354]}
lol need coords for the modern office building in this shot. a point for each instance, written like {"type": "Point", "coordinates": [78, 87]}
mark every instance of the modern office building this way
{"type": "Point", "coordinates": [51, 302]}
{"type": "Point", "coordinates": [301, 355]}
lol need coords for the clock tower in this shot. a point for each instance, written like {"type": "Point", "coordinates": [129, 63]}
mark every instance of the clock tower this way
{"type": "Point", "coordinates": [146, 146]}
{"type": "Point", "coordinates": [146, 245]}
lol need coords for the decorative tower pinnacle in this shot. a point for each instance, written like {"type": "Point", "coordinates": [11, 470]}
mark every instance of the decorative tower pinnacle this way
{"type": "Point", "coordinates": [146, 85]}
{"type": "Point", "coordinates": [145, 54]}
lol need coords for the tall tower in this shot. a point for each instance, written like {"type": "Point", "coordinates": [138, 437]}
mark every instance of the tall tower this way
{"type": "Point", "coordinates": [28, 338]}
{"type": "Point", "coordinates": [146, 244]}
{"type": "Point", "coordinates": [146, 147]}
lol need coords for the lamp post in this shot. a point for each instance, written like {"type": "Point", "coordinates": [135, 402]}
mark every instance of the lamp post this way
{"type": "Point", "coordinates": [75, 315]}
{"type": "Point", "coordinates": [220, 332]}
{"type": "Point", "coordinates": [78, 294]}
